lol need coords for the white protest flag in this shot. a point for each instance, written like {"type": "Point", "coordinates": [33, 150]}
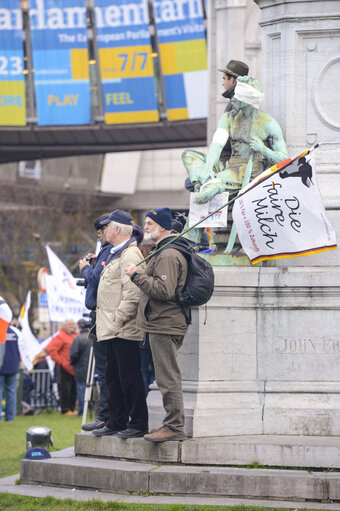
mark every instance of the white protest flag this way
{"type": "Point", "coordinates": [65, 299]}
{"type": "Point", "coordinates": [29, 346]}
{"type": "Point", "coordinates": [5, 319]}
{"type": "Point", "coordinates": [280, 213]}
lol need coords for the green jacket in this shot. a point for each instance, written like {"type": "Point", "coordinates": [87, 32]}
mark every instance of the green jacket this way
{"type": "Point", "coordinates": [117, 299]}
{"type": "Point", "coordinates": [158, 310]}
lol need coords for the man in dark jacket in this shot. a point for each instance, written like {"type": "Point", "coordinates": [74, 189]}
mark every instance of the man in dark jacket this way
{"type": "Point", "coordinates": [9, 372]}
{"type": "Point", "coordinates": [79, 358]}
{"type": "Point", "coordinates": [91, 267]}
{"type": "Point", "coordinates": [162, 318]}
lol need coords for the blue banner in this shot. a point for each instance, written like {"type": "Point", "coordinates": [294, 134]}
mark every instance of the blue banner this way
{"type": "Point", "coordinates": [60, 58]}
{"type": "Point", "coordinates": [12, 77]}
{"type": "Point", "coordinates": [183, 53]}
{"type": "Point", "coordinates": [126, 62]}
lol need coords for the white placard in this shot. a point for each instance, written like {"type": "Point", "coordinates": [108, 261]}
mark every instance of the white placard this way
{"type": "Point", "coordinates": [199, 211]}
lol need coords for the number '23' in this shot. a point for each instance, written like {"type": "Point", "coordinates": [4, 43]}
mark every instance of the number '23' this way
{"type": "Point", "coordinates": [11, 66]}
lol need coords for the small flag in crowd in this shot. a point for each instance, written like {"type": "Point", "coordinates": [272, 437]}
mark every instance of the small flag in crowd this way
{"type": "Point", "coordinates": [29, 346]}
{"type": "Point", "coordinates": [280, 213]}
{"type": "Point", "coordinates": [5, 319]}
{"type": "Point", "coordinates": [65, 299]}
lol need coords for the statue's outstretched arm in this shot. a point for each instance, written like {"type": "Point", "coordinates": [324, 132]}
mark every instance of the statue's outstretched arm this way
{"type": "Point", "coordinates": [219, 140]}
{"type": "Point", "coordinates": [277, 151]}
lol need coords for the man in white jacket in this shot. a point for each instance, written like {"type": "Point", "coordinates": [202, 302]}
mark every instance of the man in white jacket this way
{"type": "Point", "coordinates": [117, 302]}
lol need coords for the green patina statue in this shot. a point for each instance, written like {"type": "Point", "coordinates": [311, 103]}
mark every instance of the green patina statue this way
{"type": "Point", "coordinates": [256, 142]}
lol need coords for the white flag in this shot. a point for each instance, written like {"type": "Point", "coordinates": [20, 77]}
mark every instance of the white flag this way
{"type": "Point", "coordinates": [280, 213]}
{"type": "Point", "coordinates": [28, 344]}
{"type": "Point", "coordinates": [65, 299]}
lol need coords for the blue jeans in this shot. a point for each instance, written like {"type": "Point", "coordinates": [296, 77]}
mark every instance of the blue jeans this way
{"type": "Point", "coordinates": [9, 381]}
{"type": "Point", "coordinates": [80, 387]}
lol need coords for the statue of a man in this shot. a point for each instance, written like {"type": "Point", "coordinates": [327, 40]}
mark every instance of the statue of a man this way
{"type": "Point", "coordinates": [256, 142]}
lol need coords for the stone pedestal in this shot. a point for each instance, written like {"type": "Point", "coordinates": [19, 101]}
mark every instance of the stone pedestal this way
{"type": "Point", "coordinates": [300, 77]}
{"type": "Point", "coordinates": [267, 359]}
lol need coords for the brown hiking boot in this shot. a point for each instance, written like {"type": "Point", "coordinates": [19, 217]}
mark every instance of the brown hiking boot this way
{"type": "Point", "coordinates": [164, 434]}
{"type": "Point", "coordinates": [155, 429]}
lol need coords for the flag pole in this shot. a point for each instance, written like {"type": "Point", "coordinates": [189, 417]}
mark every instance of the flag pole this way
{"type": "Point", "coordinates": [180, 235]}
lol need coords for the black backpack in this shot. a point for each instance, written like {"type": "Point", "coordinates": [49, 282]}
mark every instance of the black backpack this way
{"type": "Point", "coordinates": [199, 285]}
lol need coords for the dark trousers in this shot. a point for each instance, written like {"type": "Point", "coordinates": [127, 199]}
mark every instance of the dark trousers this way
{"type": "Point", "coordinates": [99, 350]}
{"type": "Point", "coordinates": [147, 367]}
{"type": "Point", "coordinates": [67, 387]}
{"type": "Point", "coordinates": [125, 386]}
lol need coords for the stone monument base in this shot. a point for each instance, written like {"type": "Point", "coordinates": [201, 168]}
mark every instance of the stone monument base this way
{"type": "Point", "coordinates": [264, 358]}
{"type": "Point", "coordinates": [195, 467]}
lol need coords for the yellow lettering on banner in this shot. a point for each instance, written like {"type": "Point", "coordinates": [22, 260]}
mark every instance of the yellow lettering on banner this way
{"type": "Point", "coordinates": [118, 98]}
{"type": "Point", "coordinates": [70, 100]}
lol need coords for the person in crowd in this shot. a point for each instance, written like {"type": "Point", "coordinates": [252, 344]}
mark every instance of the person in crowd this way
{"type": "Point", "coordinates": [162, 318]}
{"type": "Point", "coordinates": [9, 373]}
{"type": "Point", "coordinates": [91, 267]}
{"type": "Point", "coordinates": [79, 358]}
{"type": "Point", "coordinates": [59, 351]}
{"type": "Point", "coordinates": [117, 302]}
{"type": "Point", "coordinates": [147, 366]}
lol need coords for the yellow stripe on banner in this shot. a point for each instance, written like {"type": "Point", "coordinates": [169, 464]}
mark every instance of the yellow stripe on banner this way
{"type": "Point", "coordinates": [177, 114]}
{"type": "Point", "coordinates": [126, 62]}
{"type": "Point", "coordinates": [191, 55]}
{"type": "Point", "coordinates": [80, 64]}
{"type": "Point", "coordinates": [285, 256]}
{"type": "Point", "coordinates": [183, 57]}
{"type": "Point", "coordinates": [12, 103]}
{"type": "Point", "coordinates": [132, 117]}
{"type": "Point", "coordinates": [168, 58]}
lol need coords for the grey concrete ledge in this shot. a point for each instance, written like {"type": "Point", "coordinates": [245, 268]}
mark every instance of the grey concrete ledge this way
{"type": "Point", "coordinates": [7, 485]}
{"type": "Point", "coordinates": [121, 477]}
{"type": "Point", "coordinates": [265, 450]}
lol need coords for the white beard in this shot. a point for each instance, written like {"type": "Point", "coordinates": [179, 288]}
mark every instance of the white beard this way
{"type": "Point", "coordinates": [152, 236]}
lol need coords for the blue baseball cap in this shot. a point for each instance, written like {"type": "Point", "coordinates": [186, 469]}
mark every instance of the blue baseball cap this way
{"type": "Point", "coordinates": [120, 216]}
{"type": "Point", "coordinates": [37, 453]}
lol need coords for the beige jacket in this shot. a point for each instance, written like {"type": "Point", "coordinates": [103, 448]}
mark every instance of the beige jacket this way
{"type": "Point", "coordinates": [117, 299]}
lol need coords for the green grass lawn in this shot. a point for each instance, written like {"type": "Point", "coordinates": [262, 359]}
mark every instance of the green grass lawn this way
{"type": "Point", "coordinates": [17, 503]}
{"type": "Point", "coordinates": [13, 437]}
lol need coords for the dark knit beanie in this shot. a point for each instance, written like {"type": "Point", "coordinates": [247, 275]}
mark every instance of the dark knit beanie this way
{"type": "Point", "coordinates": [162, 216]}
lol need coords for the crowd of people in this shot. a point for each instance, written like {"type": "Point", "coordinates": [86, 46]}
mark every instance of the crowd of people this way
{"type": "Point", "coordinates": [137, 325]}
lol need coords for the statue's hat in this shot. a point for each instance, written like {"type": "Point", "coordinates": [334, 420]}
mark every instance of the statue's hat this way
{"type": "Point", "coordinates": [235, 68]}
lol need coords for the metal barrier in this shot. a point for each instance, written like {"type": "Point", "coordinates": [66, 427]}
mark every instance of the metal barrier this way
{"type": "Point", "coordinates": [43, 392]}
